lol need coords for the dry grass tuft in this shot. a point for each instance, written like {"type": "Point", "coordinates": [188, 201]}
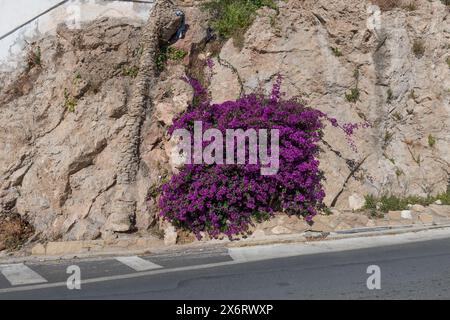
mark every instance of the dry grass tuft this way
{"type": "Point", "coordinates": [14, 231]}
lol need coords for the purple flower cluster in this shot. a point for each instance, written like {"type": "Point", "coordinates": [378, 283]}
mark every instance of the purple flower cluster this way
{"type": "Point", "coordinates": [349, 129]}
{"type": "Point", "coordinates": [210, 63]}
{"type": "Point", "coordinates": [223, 199]}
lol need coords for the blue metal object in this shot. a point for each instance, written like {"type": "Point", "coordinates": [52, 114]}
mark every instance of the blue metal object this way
{"type": "Point", "coordinates": [182, 29]}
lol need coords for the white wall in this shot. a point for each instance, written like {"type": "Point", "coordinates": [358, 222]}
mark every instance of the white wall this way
{"type": "Point", "coordinates": [15, 12]}
{"type": "Point", "coordinates": [74, 13]}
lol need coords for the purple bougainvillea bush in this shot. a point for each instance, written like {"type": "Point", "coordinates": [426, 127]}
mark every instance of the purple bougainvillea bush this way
{"type": "Point", "coordinates": [224, 199]}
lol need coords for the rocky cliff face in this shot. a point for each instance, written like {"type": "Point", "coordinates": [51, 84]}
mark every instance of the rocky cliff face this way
{"type": "Point", "coordinates": [71, 129]}
{"type": "Point", "coordinates": [83, 126]}
{"type": "Point", "coordinates": [394, 61]}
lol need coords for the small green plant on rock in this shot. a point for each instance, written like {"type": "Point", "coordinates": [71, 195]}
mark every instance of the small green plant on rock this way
{"type": "Point", "coordinates": [387, 203]}
{"type": "Point", "coordinates": [34, 58]}
{"type": "Point", "coordinates": [231, 18]}
{"type": "Point", "coordinates": [70, 102]}
{"type": "Point", "coordinates": [392, 160]}
{"type": "Point", "coordinates": [431, 141]}
{"type": "Point", "coordinates": [448, 62]}
{"type": "Point", "coordinates": [327, 211]}
{"type": "Point", "coordinates": [336, 52]}
{"type": "Point", "coordinates": [167, 53]}
{"type": "Point", "coordinates": [417, 159]}
{"type": "Point", "coordinates": [353, 95]}
{"type": "Point", "coordinates": [398, 172]}
{"type": "Point", "coordinates": [397, 116]}
{"type": "Point", "coordinates": [161, 59]}
{"type": "Point", "coordinates": [176, 54]}
{"type": "Point", "coordinates": [371, 202]}
{"type": "Point", "coordinates": [76, 78]}
{"type": "Point", "coordinates": [418, 48]}
{"type": "Point", "coordinates": [371, 205]}
{"type": "Point", "coordinates": [413, 95]}
{"type": "Point", "coordinates": [387, 138]}
{"type": "Point", "coordinates": [130, 71]}
{"type": "Point", "coordinates": [390, 95]}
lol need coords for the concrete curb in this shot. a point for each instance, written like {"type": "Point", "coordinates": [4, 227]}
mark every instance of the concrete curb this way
{"type": "Point", "coordinates": [344, 234]}
{"type": "Point", "coordinates": [220, 245]}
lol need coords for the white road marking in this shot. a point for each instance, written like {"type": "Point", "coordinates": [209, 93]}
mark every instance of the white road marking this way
{"type": "Point", "coordinates": [138, 264]}
{"type": "Point", "coordinates": [375, 241]}
{"type": "Point", "coordinates": [121, 277]}
{"type": "Point", "coordinates": [20, 274]}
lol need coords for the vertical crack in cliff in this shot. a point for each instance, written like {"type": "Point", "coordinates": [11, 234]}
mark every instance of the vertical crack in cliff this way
{"type": "Point", "coordinates": [161, 26]}
{"type": "Point", "coordinates": [158, 21]}
{"type": "Point", "coordinates": [351, 174]}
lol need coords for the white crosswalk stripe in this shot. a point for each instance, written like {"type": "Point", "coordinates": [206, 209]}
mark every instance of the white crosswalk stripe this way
{"type": "Point", "coordinates": [20, 274]}
{"type": "Point", "coordinates": [138, 264]}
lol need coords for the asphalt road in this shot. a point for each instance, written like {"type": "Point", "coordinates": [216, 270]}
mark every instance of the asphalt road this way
{"type": "Point", "coordinates": [417, 270]}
